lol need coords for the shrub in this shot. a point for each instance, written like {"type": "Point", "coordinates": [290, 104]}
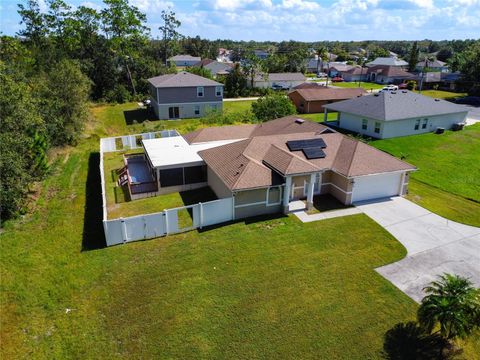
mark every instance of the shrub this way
{"type": "Point", "coordinates": [272, 107]}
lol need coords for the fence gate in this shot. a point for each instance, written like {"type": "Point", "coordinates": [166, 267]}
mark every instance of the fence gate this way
{"type": "Point", "coordinates": [182, 218]}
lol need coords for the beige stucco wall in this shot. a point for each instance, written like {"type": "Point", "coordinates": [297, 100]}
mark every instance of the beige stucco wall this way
{"type": "Point", "coordinates": [217, 185]}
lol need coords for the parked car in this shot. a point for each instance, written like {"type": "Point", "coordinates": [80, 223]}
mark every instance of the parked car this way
{"type": "Point", "coordinates": [322, 75]}
{"type": "Point", "coordinates": [469, 100]}
{"type": "Point", "coordinates": [390, 88]}
{"type": "Point", "coordinates": [337, 79]}
{"type": "Point", "coordinates": [403, 86]}
{"type": "Point", "coordinates": [280, 87]}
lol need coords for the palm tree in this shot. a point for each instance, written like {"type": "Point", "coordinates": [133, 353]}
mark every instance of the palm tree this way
{"type": "Point", "coordinates": [453, 303]}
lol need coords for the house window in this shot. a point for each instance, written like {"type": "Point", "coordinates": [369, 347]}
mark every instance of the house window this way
{"type": "Point", "coordinates": [364, 124]}
{"type": "Point", "coordinates": [197, 109]}
{"type": "Point", "coordinates": [377, 127]}
{"type": "Point", "coordinates": [417, 124]}
{"type": "Point", "coordinates": [424, 124]}
{"type": "Point", "coordinates": [200, 91]}
{"type": "Point", "coordinates": [218, 91]}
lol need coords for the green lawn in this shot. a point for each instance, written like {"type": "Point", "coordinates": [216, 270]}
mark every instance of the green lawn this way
{"type": "Point", "coordinates": [365, 85]}
{"type": "Point", "coordinates": [439, 94]}
{"type": "Point", "coordinates": [449, 162]}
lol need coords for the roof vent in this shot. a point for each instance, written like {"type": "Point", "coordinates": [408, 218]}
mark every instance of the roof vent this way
{"type": "Point", "coordinates": [299, 121]}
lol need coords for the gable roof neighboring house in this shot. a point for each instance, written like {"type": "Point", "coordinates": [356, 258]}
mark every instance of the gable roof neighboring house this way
{"type": "Point", "coordinates": [387, 61]}
{"type": "Point", "coordinates": [340, 67]}
{"type": "Point", "coordinates": [432, 64]}
{"type": "Point", "coordinates": [308, 85]}
{"type": "Point", "coordinates": [215, 67]}
{"type": "Point", "coordinates": [182, 57]}
{"type": "Point", "coordinates": [328, 93]}
{"type": "Point", "coordinates": [356, 70]}
{"type": "Point", "coordinates": [181, 79]}
{"type": "Point", "coordinates": [280, 77]}
{"type": "Point", "coordinates": [390, 72]}
{"type": "Point", "coordinates": [257, 161]}
{"type": "Point", "coordinates": [395, 105]}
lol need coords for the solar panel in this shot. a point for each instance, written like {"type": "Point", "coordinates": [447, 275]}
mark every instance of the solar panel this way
{"type": "Point", "coordinates": [295, 145]}
{"type": "Point", "coordinates": [314, 153]}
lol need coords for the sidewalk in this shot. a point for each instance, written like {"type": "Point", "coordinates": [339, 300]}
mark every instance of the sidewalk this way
{"type": "Point", "coordinates": [241, 99]}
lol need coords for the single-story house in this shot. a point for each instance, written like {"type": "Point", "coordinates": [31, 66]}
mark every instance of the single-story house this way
{"type": "Point", "coordinates": [336, 69]}
{"type": "Point", "coordinates": [382, 74]}
{"type": "Point", "coordinates": [313, 65]}
{"type": "Point", "coordinates": [266, 166]}
{"type": "Point", "coordinates": [262, 54]}
{"type": "Point", "coordinates": [429, 80]}
{"type": "Point", "coordinates": [396, 113]}
{"type": "Point", "coordinates": [356, 73]}
{"type": "Point", "coordinates": [184, 60]}
{"type": "Point", "coordinates": [285, 80]}
{"type": "Point", "coordinates": [308, 85]}
{"type": "Point", "coordinates": [309, 101]}
{"type": "Point", "coordinates": [184, 95]}
{"type": "Point", "coordinates": [215, 67]}
{"type": "Point", "coordinates": [436, 65]}
{"type": "Point", "coordinates": [388, 61]}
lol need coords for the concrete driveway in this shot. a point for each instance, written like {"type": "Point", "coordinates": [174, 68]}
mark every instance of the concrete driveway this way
{"type": "Point", "coordinates": [434, 244]}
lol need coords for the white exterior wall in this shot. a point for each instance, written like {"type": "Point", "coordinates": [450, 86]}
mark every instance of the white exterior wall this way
{"type": "Point", "coordinates": [396, 128]}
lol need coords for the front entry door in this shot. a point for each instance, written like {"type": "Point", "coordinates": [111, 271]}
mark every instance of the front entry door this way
{"type": "Point", "coordinates": [173, 112]}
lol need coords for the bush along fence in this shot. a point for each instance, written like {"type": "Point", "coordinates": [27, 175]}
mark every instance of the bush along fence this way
{"type": "Point", "coordinates": [169, 221]}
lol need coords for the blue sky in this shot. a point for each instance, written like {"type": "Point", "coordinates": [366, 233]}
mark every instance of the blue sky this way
{"type": "Point", "coordinates": [303, 20]}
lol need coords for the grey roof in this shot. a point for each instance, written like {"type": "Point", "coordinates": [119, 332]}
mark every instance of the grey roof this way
{"type": "Point", "coordinates": [181, 57]}
{"type": "Point", "coordinates": [181, 79]}
{"type": "Point", "coordinates": [431, 64]}
{"type": "Point", "coordinates": [395, 105]}
{"type": "Point", "coordinates": [281, 77]}
{"type": "Point", "coordinates": [389, 61]}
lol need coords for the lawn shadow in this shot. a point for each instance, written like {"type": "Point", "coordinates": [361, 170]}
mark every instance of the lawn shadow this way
{"type": "Point", "coordinates": [93, 234]}
{"type": "Point", "coordinates": [409, 341]}
{"type": "Point", "coordinates": [247, 221]}
{"type": "Point", "coordinates": [138, 116]}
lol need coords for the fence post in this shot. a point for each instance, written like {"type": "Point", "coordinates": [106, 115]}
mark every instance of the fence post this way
{"type": "Point", "coordinates": [201, 215]}
{"type": "Point", "coordinates": [124, 230]}
{"type": "Point", "coordinates": [165, 213]}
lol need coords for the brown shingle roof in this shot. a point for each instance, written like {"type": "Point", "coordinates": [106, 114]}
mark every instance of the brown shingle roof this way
{"type": "Point", "coordinates": [327, 93]}
{"type": "Point", "coordinates": [390, 71]}
{"type": "Point", "coordinates": [181, 79]}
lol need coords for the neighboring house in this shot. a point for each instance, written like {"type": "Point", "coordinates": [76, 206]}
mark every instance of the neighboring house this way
{"type": "Point", "coordinates": [285, 80]}
{"type": "Point", "coordinates": [435, 65]}
{"type": "Point", "coordinates": [382, 74]}
{"type": "Point", "coordinates": [311, 100]}
{"type": "Point", "coordinates": [313, 65]}
{"type": "Point", "coordinates": [449, 80]}
{"type": "Point", "coordinates": [396, 113]}
{"type": "Point", "coordinates": [429, 80]}
{"type": "Point", "coordinates": [308, 85]}
{"type": "Point", "coordinates": [388, 61]}
{"type": "Point", "coordinates": [262, 54]}
{"type": "Point", "coordinates": [184, 95]}
{"type": "Point", "coordinates": [265, 166]}
{"type": "Point", "coordinates": [215, 67]}
{"type": "Point", "coordinates": [336, 69]}
{"type": "Point", "coordinates": [392, 54]}
{"type": "Point", "coordinates": [224, 55]}
{"type": "Point", "coordinates": [356, 73]}
{"type": "Point", "coordinates": [184, 60]}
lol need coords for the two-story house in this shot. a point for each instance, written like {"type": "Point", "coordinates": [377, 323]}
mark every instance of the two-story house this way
{"type": "Point", "coordinates": [184, 95]}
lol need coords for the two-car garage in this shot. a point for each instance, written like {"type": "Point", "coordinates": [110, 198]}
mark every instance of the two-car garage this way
{"type": "Point", "coordinates": [377, 186]}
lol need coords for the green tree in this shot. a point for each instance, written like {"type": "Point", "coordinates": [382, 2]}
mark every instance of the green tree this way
{"type": "Point", "coordinates": [200, 71]}
{"type": "Point", "coordinates": [467, 62]}
{"type": "Point", "coordinates": [63, 94]}
{"type": "Point", "coordinates": [272, 107]}
{"type": "Point", "coordinates": [413, 57]}
{"type": "Point", "coordinates": [170, 35]}
{"type": "Point", "coordinates": [235, 82]}
{"type": "Point", "coordinates": [453, 304]}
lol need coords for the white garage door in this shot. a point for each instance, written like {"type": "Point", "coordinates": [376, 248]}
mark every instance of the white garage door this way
{"type": "Point", "coordinates": [376, 186]}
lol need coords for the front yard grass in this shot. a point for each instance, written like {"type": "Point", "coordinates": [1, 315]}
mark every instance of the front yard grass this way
{"type": "Point", "coordinates": [365, 85]}
{"type": "Point", "coordinates": [440, 94]}
{"type": "Point", "coordinates": [448, 162]}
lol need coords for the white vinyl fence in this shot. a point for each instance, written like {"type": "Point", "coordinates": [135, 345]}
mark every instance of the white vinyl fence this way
{"type": "Point", "coordinates": [169, 221]}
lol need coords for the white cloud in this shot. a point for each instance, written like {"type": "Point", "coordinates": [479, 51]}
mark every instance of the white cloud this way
{"type": "Point", "coordinates": [300, 5]}
{"type": "Point", "coordinates": [426, 4]}
{"type": "Point", "coordinates": [152, 6]}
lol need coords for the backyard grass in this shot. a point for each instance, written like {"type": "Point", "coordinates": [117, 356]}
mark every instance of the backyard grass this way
{"type": "Point", "coordinates": [448, 162]}
{"type": "Point", "coordinates": [260, 288]}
